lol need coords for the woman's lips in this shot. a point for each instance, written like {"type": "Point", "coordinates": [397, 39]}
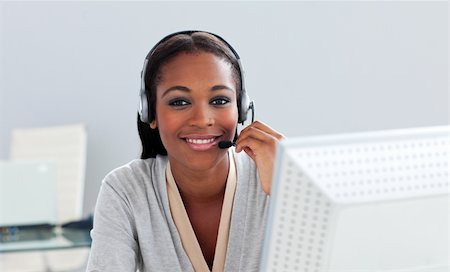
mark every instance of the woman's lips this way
{"type": "Point", "coordinates": [202, 143]}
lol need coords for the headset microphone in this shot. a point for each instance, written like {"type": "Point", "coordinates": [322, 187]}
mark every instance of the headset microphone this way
{"type": "Point", "coordinates": [226, 144]}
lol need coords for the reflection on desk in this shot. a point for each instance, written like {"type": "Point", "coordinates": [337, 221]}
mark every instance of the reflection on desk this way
{"type": "Point", "coordinates": [44, 239]}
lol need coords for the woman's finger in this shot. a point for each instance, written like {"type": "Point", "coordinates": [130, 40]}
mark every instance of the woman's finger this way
{"type": "Point", "coordinates": [262, 126]}
{"type": "Point", "coordinates": [254, 134]}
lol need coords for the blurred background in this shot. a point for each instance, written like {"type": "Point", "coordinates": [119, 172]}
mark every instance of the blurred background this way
{"type": "Point", "coordinates": [311, 67]}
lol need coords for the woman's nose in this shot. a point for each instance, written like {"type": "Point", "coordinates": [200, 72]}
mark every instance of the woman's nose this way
{"type": "Point", "coordinates": [202, 116]}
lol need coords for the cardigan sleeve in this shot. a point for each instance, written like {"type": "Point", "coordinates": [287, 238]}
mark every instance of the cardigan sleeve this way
{"type": "Point", "coordinates": [114, 246]}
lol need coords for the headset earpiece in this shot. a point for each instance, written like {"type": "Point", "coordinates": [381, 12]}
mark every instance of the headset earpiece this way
{"type": "Point", "coordinates": [244, 107]}
{"type": "Point", "coordinates": [143, 100]}
{"type": "Point", "coordinates": [143, 107]}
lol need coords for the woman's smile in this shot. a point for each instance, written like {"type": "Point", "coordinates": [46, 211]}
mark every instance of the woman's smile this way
{"type": "Point", "coordinates": [203, 143]}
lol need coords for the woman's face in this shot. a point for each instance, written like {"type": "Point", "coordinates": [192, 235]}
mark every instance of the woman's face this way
{"type": "Point", "coordinates": [196, 109]}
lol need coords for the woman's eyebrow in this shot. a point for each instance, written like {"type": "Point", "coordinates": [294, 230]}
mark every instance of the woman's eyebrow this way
{"type": "Point", "coordinates": [186, 89]}
{"type": "Point", "coordinates": [221, 87]}
{"type": "Point", "coordinates": [176, 88]}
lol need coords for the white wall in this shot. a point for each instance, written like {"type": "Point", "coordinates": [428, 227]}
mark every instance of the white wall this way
{"type": "Point", "coordinates": [2, 100]}
{"type": "Point", "coordinates": [312, 68]}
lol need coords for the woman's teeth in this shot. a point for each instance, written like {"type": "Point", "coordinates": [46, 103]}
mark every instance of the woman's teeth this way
{"type": "Point", "coordinates": [200, 141]}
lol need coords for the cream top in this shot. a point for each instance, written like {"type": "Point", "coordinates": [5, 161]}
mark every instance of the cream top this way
{"type": "Point", "coordinates": [184, 227]}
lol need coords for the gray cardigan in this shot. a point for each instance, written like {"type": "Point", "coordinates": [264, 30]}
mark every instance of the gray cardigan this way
{"type": "Point", "coordinates": [133, 226]}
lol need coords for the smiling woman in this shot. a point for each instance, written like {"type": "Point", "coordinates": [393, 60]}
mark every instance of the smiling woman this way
{"type": "Point", "coordinates": [190, 43]}
{"type": "Point", "coordinates": [188, 205]}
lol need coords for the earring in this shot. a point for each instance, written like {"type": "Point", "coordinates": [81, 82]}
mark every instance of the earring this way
{"type": "Point", "coordinates": [153, 124]}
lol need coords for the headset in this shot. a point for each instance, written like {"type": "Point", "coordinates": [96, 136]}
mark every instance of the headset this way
{"type": "Point", "coordinates": [244, 104]}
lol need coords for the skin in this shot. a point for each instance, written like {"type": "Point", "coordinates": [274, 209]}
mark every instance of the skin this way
{"type": "Point", "coordinates": [196, 103]}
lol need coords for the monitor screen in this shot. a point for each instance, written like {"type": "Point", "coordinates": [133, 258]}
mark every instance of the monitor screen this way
{"type": "Point", "coordinates": [361, 202]}
{"type": "Point", "coordinates": [27, 193]}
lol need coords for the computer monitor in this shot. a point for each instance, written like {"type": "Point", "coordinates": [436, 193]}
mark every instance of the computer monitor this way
{"type": "Point", "coordinates": [362, 202]}
{"type": "Point", "coordinates": [27, 193]}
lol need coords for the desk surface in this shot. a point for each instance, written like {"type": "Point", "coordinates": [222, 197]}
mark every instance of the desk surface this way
{"type": "Point", "coordinates": [52, 239]}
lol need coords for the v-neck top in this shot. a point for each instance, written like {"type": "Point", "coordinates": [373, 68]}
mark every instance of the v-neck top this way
{"type": "Point", "coordinates": [184, 226]}
{"type": "Point", "coordinates": [134, 227]}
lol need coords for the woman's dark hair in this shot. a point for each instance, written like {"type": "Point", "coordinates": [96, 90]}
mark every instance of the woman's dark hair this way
{"type": "Point", "coordinates": [191, 43]}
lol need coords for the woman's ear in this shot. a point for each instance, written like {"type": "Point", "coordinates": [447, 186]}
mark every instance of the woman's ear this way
{"type": "Point", "coordinates": [153, 124]}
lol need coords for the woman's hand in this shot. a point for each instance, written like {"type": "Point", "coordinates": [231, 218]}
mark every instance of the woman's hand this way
{"type": "Point", "coordinates": [260, 141]}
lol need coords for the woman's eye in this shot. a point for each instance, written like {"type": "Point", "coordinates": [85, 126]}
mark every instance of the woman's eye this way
{"type": "Point", "coordinates": [178, 103]}
{"type": "Point", "coordinates": [220, 101]}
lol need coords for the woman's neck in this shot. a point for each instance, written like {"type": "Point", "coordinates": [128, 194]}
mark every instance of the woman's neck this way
{"type": "Point", "coordinates": [198, 187]}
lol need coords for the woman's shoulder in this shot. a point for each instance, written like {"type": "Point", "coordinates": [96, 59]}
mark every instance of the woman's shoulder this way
{"type": "Point", "coordinates": [136, 174]}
